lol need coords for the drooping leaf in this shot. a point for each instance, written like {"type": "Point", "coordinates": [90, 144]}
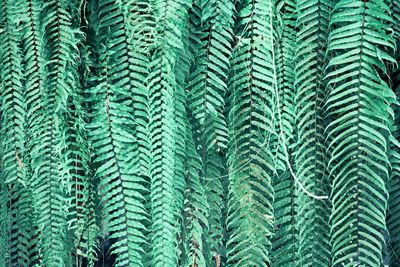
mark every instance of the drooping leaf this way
{"type": "Point", "coordinates": [310, 153]}
{"type": "Point", "coordinates": [251, 159]}
{"type": "Point", "coordinates": [359, 103]}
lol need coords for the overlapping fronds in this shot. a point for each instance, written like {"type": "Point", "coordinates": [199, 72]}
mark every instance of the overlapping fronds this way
{"type": "Point", "coordinates": [163, 127]}
{"type": "Point", "coordinates": [208, 79]}
{"type": "Point", "coordinates": [359, 103]}
{"type": "Point", "coordinates": [64, 101]}
{"type": "Point", "coordinates": [207, 89]}
{"type": "Point", "coordinates": [48, 190]}
{"type": "Point", "coordinates": [310, 154]}
{"type": "Point", "coordinates": [252, 135]}
{"type": "Point", "coordinates": [285, 240]}
{"type": "Point", "coordinates": [139, 17]}
{"type": "Point", "coordinates": [285, 52]}
{"type": "Point", "coordinates": [284, 251]}
{"type": "Point", "coordinates": [196, 208]}
{"type": "Point", "coordinates": [393, 213]}
{"type": "Point", "coordinates": [4, 226]}
{"type": "Point", "coordinates": [394, 194]}
{"type": "Point", "coordinates": [81, 217]}
{"type": "Point", "coordinates": [182, 70]}
{"type": "Point", "coordinates": [199, 133]}
{"type": "Point", "coordinates": [123, 183]}
{"type": "Point", "coordinates": [14, 176]}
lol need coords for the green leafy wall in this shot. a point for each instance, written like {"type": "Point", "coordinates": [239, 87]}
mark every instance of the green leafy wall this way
{"type": "Point", "coordinates": [199, 133]}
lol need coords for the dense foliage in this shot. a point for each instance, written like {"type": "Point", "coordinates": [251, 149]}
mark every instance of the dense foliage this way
{"type": "Point", "coordinates": [199, 133]}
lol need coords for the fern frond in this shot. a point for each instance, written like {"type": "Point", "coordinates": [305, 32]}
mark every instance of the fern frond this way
{"type": "Point", "coordinates": [83, 216]}
{"type": "Point", "coordinates": [119, 185]}
{"type": "Point", "coordinates": [141, 29]}
{"type": "Point", "coordinates": [310, 154]}
{"type": "Point", "coordinates": [113, 135]}
{"type": "Point", "coordinates": [359, 103]}
{"type": "Point", "coordinates": [77, 153]}
{"type": "Point", "coordinates": [181, 117]}
{"type": "Point", "coordinates": [393, 212]}
{"type": "Point", "coordinates": [252, 134]}
{"type": "Point", "coordinates": [52, 180]}
{"type": "Point", "coordinates": [162, 124]}
{"type": "Point", "coordinates": [285, 242]}
{"type": "Point", "coordinates": [47, 198]}
{"type": "Point", "coordinates": [196, 207]}
{"type": "Point", "coordinates": [285, 50]}
{"type": "Point", "coordinates": [139, 21]}
{"type": "Point", "coordinates": [20, 231]}
{"type": "Point", "coordinates": [12, 97]}
{"type": "Point", "coordinates": [394, 196]}
{"type": "Point", "coordinates": [13, 132]}
{"type": "Point", "coordinates": [207, 88]}
{"type": "Point", "coordinates": [4, 224]}
{"type": "Point", "coordinates": [162, 84]}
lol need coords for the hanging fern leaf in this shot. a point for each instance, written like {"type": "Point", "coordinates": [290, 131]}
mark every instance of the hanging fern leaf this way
{"type": "Point", "coordinates": [113, 133]}
{"type": "Point", "coordinates": [394, 190]}
{"type": "Point", "coordinates": [285, 49]}
{"type": "Point", "coordinates": [48, 190]}
{"type": "Point", "coordinates": [285, 242]}
{"type": "Point", "coordinates": [212, 32]}
{"type": "Point", "coordinates": [196, 208]}
{"type": "Point", "coordinates": [252, 132]}
{"type": "Point", "coordinates": [163, 128]}
{"type": "Point", "coordinates": [139, 19]}
{"type": "Point", "coordinates": [12, 97]}
{"type": "Point", "coordinates": [13, 134]}
{"type": "Point", "coordinates": [199, 133]}
{"type": "Point", "coordinates": [208, 79]}
{"type": "Point", "coordinates": [83, 217]}
{"type": "Point", "coordinates": [81, 212]}
{"type": "Point", "coordinates": [359, 103]}
{"type": "Point", "coordinates": [181, 130]}
{"type": "Point", "coordinates": [393, 224]}
{"type": "Point", "coordinates": [314, 247]}
{"type": "Point", "coordinates": [4, 226]}
{"type": "Point", "coordinates": [284, 250]}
